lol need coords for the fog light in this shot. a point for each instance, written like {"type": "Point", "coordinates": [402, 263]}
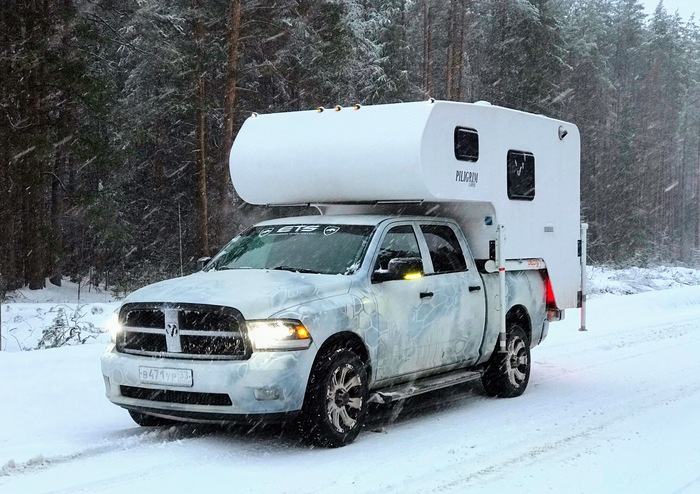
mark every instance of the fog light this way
{"type": "Point", "coordinates": [267, 393]}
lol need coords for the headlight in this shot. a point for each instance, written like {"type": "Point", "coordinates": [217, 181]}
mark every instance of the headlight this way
{"type": "Point", "coordinates": [278, 334]}
{"type": "Point", "coordinates": [113, 326]}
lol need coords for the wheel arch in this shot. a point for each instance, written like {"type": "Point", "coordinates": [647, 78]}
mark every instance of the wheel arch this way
{"type": "Point", "coordinates": [350, 341]}
{"type": "Point", "coordinates": [519, 314]}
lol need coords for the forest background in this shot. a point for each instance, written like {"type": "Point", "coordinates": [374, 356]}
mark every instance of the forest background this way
{"type": "Point", "coordinates": [116, 116]}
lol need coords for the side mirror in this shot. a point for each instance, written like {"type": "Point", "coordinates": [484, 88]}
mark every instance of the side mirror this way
{"type": "Point", "coordinates": [400, 268]}
{"type": "Point", "coordinates": [202, 261]}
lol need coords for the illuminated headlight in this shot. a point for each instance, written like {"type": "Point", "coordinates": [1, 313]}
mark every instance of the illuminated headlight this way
{"type": "Point", "coordinates": [113, 326]}
{"type": "Point", "coordinates": [278, 334]}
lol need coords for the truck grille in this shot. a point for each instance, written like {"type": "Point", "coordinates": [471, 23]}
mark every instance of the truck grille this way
{"type": "Point", "coordinates": [170, 396]}
{"type": "Point", "coordinates": [182, 331]}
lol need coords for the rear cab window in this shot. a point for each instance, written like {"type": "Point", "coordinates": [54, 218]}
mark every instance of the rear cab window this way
{"type": "Point", "coordinates": [444, 248]}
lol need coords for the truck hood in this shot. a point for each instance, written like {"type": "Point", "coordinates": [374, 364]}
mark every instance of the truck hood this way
{"type": "Point", "coordinates": [256, 293]}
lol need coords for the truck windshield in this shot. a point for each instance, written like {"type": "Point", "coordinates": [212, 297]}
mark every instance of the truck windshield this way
{"type": "Point", "coordinates": [304, 248]}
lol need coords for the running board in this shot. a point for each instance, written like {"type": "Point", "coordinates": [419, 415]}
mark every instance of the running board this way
{"type": "Point", "coordinates": [425, 385]}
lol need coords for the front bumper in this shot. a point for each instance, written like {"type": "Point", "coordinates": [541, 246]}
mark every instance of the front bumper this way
{"type": "Point", "coordinates": [268, 383]}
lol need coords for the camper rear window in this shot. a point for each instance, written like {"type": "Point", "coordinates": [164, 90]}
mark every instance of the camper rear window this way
{"type": "Point", "coordinates": [466, 144]}
{"type": "Point", "coordinates": [521, 175]}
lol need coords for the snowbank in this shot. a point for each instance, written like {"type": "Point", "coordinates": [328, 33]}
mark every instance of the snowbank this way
{"type": "Point", "coordinates": [56, 316]}
{"type": "Point", "coordinates": [636, 280]}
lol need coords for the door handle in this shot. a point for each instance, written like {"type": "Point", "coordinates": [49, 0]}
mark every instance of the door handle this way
{"type": "Point", "coordinates": [426, 294]}
{"type": "Point", "coordinates": [474, 288]}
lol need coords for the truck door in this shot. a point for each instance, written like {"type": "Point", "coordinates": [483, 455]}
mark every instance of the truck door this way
{"type": "Point", "coordinates": [407, 342]}
{"type": "Point", "coordinates": [458, 298]}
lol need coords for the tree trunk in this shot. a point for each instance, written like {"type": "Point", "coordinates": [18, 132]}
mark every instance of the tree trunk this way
{"type": "Point", "coordinates": [426, 47]}
{"type": "Point", "coordinates": [200, 137]}
{"type": "Point", "coordinates": [697, 198]}
{"type": "Point", "coordinates": [225, 192]}
{"type": "Point", "coordinates": [232, 74]}
{"type": "Point", "coordinates": [33, 211]}
{"type": "Point", "coordinates": [455, 51]}
{"type": "Point", "coordinates": [14, 102]}
{"type": "Point", "coordinates": [57, 211]}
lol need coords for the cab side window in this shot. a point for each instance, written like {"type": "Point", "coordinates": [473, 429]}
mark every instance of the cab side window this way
{"type": "Point", "coordinates": [445, 251]}
{"type": "Point", "coordinates": [399, 241]}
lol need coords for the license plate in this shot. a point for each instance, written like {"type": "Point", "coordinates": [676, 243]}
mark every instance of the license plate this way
{"type": "Point", "coordinates": [169, 377]}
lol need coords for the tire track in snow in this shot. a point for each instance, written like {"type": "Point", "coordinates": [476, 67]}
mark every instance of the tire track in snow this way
{"type": "Point", "coordinates": [601, 407]}
{"type": "Point", "coordinates": [627, 341]}
{"type": "Point", "coordinates": [142, 438]}
{"type": "Point", "coordinates": [444, 479]}
{"type": "Point", "coordinates": [627, 338]}
{"type": "Point", "coordinates": [153, 463]}
{"type": "Point", "coordinates": [425, 405]}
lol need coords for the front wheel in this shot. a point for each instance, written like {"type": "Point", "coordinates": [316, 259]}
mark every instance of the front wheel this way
{"type": "Point", "coordinates": [506, 374]}
{"type": "Point", "coordinates": [336, 400]}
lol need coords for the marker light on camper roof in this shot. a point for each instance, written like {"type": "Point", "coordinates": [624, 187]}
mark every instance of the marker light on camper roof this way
{"type": "Point", "coordinates": [356, 107]}
{"type": "Point", "coordinates": [320, 109]}
{"type": "Point", "coordinates": [338, 107]}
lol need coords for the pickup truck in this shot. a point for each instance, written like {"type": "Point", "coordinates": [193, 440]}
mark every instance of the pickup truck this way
{"type": "Point", "coordinates": [312, 318]}
{"type": "Point", "coordinates": [448, 238]}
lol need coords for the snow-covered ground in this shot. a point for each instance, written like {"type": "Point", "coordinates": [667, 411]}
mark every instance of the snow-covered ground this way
{"type": "Point", "coordinates": [611, 410]}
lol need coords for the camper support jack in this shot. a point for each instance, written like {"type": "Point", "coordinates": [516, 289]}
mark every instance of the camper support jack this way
{"type": "Point", "coordinates": [584, 235]}
{"type": "Point", "coordinates": [500, 239]}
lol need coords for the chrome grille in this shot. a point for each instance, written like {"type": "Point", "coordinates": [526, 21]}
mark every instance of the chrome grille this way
{"type": "Point", "coordinates": [145, 318]}
{"type": "Point", "coordinates": [182, 331]}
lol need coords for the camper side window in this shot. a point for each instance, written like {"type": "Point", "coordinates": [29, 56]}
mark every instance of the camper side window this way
{"type": "Point", "coordinates": [466, 144]}
{"type": "Point", "coordinates": [521, 175]}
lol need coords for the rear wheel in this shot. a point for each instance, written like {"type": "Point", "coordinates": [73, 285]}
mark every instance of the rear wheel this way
{"type": "Point", "coordinates": [507, 374]}
{"type": "Point", "coordinates": [336, 399]}
{"type": "Point", "coordinates": [149, 420]}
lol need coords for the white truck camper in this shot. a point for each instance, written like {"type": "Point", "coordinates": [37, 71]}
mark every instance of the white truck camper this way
{"type": "Point", "coordinates": [448, 239]}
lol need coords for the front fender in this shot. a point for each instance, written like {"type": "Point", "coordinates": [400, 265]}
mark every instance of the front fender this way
{"type": "Point", "coordinates": [354, 311]}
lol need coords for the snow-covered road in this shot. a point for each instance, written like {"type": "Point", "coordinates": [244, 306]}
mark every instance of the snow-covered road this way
{"type": "Point", "coordinates": [612, 410]}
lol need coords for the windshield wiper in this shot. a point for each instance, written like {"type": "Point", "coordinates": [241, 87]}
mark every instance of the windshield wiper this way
{"type": "Point", "coordinates": [295, 270]}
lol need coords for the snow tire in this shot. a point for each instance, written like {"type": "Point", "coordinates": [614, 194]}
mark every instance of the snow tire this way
{"type": "Point", "coordinates": [336, 400]}
{"type": "Point", "coordinates": [507, 374]}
